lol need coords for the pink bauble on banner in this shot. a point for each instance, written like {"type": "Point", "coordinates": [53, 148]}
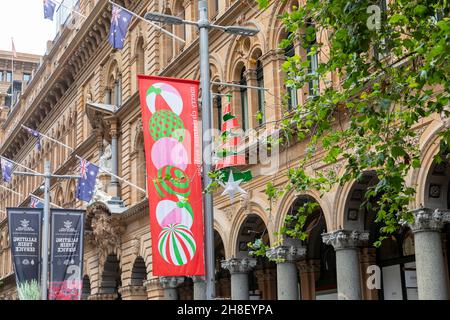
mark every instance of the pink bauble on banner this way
{"type": "Point", "coordinates": [168, 93]}
{"type": "Point", "coordinates": [169, 212]}
{"type": "Point", "coordinates": [169, 152]}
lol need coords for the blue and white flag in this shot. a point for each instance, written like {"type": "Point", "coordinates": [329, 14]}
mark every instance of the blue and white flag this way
{"type": "Point", "coordinates": [7, 168]}
{"type": "Point", "coordinates": [86, 184]}
{"type": "Point", "coordinates": [49, 9]}
{"type": "Point", "coordinates": [120, 20]}
{"type": "Point", "coordinates": [36, 134]}
{"type": "Point", "coordinates": [36, 203]}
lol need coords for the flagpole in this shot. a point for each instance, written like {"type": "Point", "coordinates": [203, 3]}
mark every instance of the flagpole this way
{"type": "Point", "coordinates": [18, 164]}
{"type": "Point", "coordinates": [117, 177]}
{"type": "Point", "coordinates": [71, 9]}
{"type": "Point", "coordinates": [11, 190]}
{"type": "Point", "coordinates": [39, 198]}
{"type": "Point", "coordinates": [151, 23]}
{"type": "Point", "coordinates": [30, 194]}
{"type": "Point", "coordinates": [77, 156]}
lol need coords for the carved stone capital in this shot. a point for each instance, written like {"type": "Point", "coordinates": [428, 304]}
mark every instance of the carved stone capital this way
{"type": "Point", "coordinates": [283, 254]}
{"type": "Point", "coordinates": [235, 265]}
{"type": "Point", "coordinates": [427, 219]}
{"type": "Point", "coordinates": [152, 284]}
{"type": "Point", "coordinates": [132, 291]}
{"type": "Point", "coordinates": [346, 239]}
{"type": "Point", "coordinates": [171, 282]}
{"type": "Point", "coordinates": [103, 296]}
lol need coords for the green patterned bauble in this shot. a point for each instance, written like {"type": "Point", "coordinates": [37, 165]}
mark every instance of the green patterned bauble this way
{"type": "Point", "coordinates": [166, 124]}
{"type": "Point", "coordinates": [172, 181]}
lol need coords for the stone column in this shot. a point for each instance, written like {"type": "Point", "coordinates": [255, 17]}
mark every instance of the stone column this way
{"type": "Point", "coordinates": [309, 271]}
{"type": "Point", "coordinates": [346, 245]}
{"type": "Point", "coordinates": [239, 269]}
{"type": "Point", "coordinates": [170, 285]}
{"type": "Point", "coordinates": [287, 279]}
{"type": "Point", "coordinates": [133, 293]}
{"type": "Point", "coordinates": [199, 288]}
{"type": "Point", "coordinates": [430, 266]}
{"type": "Point", "coordinates": [154, 289]}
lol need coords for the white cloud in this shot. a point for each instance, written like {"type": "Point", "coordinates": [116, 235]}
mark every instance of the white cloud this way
{"type": "Point", "coordinates": [24, 21]}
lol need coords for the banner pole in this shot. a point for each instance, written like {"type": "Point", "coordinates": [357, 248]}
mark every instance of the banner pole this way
{"type": "Point", "coordinates": [204, 26]}
{"type": "Point", "coordinates": [45, 231]}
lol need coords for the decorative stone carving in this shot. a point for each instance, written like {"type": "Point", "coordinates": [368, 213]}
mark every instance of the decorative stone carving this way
{"type": "Point", "coordinates": [235, 265]}
{"type": "Point", "coordinates": [107, 232]}
{"type": "Point", "coordinates": [428, 219]}
{"type": "Point", "coordinates": [345, 239]}
{"type": "Point", "coordinates": [228, 213]}
{"type": "Point", "coordinates": [133, 291]}
{"type": "Point", "coordinates": [171, 282]}
{"type": "Point", "coordinates": [283, 254]}
{"type": "Point", "coordinates": [135, 246]}
{"type": "Point", "coordinates": [106, 157]}
{"type": "Point", "coordinates": [99, 194]}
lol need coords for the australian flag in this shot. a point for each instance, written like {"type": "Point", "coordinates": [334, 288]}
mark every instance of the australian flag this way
{"type": "Point", "coordinates": [36, 134]}
{"type": "Point", "coordinates": [86, 184]}
{"type": "Point", "coordinates": [36, 203]}
{"type": "Point", "coordinates": [7, 168]}
{"type": "Point", "coordinates": [120, 20]}
{"type": "Point", "coordinates": [49, 9]}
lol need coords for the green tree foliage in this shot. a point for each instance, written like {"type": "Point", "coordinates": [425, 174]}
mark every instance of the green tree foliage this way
{"type": "Point", "coordinates": [391, 76]}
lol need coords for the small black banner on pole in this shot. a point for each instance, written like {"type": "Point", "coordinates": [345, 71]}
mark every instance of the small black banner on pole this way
{"type": "Point", "coordinates": [25, 237]}
{"type": "Point", "coordinates": [66, 268]}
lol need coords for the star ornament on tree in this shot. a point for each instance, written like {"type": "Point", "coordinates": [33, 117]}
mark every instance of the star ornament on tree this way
{"type": "Point", "coordinates": [232, 187]}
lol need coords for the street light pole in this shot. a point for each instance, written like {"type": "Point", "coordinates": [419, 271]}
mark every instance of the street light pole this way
{"type": "Point", "coordinates": [204, 26]}
{"type": "Point", "coordinates": [46, 221]}
{"type": "Point", "coordinates": [45, 229]}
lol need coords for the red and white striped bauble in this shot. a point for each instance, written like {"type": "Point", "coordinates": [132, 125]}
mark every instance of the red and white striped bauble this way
{"type": "Point", "coordinates": [176, 244]}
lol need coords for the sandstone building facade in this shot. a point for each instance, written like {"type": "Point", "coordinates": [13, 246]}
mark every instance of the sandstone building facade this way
{"type": "Point", "coordinates": [81, 68]}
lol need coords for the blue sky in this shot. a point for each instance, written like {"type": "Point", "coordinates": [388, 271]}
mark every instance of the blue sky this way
{"type": "Point", "coordinates": [24, 21]}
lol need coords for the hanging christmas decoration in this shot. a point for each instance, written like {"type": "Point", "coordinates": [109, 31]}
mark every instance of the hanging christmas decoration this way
{"type": "Point", "coordinates": [227, 156]}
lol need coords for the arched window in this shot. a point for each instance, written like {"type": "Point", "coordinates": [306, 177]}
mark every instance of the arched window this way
{"type": "Point", "coordinates": [167, 42]}
{"type": "Point", "coordinates": [292, 96]}
{"type": "Point", "coordinates": [180, 30]}
{"type": "Point", "coordinates": [217, 103]}
{"type": "Point", "coordinates": [213, 8]}
{"type": "Point", "coordinates": [219, 111]}
{"type": "Point", "coordinates": [139, 64]}
{"type": "Point", "coordinates": [140, 57]}
{"type": "Point", "coordinates": [313, 59]}
{"type": "Point", "coordinates": [260, 83]}
{"type": "Point", "coordinates": [244, 100]}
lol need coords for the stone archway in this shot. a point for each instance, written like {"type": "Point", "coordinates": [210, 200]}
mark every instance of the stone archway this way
{"type": "Point", "coordinates": [317, 271]}
{"type": "Point", "coordinates": [393, 260]}
{"type": "Point", "coordinates": [223, 281]}
{"type": "Point", "coordinates": [111, 280]}
{"type": "Point", "coordinates": [86, 291]}
{"type": "Point", "coordinates": [136, 289]}
{"type": "Point", "coordinates": [251, 278]}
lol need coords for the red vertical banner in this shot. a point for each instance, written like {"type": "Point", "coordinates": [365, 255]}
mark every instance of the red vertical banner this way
{"type": "Point", "coordinates": [173, 158]}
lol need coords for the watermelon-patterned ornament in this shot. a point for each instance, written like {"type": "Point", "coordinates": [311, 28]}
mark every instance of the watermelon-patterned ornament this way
{"type": "Point", "coordinates": [166, 124]}
{"type": "Point", "coordinates": [172, 181]}
{"type": "Point", "coordinates": [176, 244]}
